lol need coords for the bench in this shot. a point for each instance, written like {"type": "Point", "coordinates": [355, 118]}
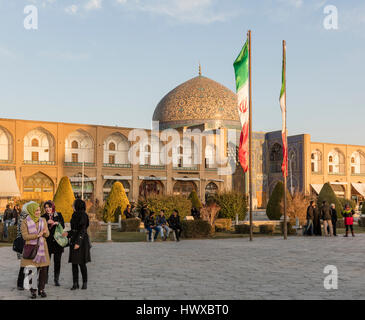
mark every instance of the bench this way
{"type": "Point", "coordinates": [154, 232]}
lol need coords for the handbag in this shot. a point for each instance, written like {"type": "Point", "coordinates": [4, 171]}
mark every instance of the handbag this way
{"type": "Point", "coordinates": [62, 241]}
{"type": "Point", "coordinates": [18, 244]}
{"type": "Point", "coordinates": [30, 250]}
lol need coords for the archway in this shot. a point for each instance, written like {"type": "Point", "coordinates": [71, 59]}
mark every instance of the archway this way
{"type": "Point", "coordinates": [39, 187]}
{"type": "Point", "coordinates": [150, 188]}
{"type": "Point", "coordinates": [116, 147]}
{"type": "Point", "coordinates": [79, 147]}
{"type": "Point", "coordinates": [276, 158]}
{"type": "Point", "coordinates": [39, 146]}
{"type": "Point", "coordinates": [6, 145]}
{"type": "Point", "coordinates": [184, 188]}
{"type": "Point", "coordinates": [210, 190]}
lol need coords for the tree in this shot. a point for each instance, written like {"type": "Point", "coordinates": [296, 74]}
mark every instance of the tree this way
{"type": "Point", "coordinates": [232, 203]}
{"type": "Point", "coordinates": [274, 209]}
{"type": "Point", "coordinates": [116, 203]}
{"type": "Point", "coordinates": [327, 194]}
{"type": "Point", "coordinates": [195, 201]}
{"type": "Point", "coordinates": [64, 199]}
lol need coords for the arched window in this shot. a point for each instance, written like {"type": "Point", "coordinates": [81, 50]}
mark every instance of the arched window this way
{"type": "Point", "coordinates": [276, 158]}
{"type": "Point", "coordinates": [74, 145]}
{"type": "Point", "coordinates": [316, 161]}
{"type": "Point", "coordinates": [35, 143]}
{"type": "Point", "coordinates": [112, 146]}
{"type": "Point", "coordinates": [357, 163]}
{"type": "Point", "coordinates": [336, 162]}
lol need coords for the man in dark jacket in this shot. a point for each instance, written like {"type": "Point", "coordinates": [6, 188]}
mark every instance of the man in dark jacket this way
{"type": "Point", "coordinates": [8, 219]}
{"type": "Point", "coordinates": [327, 218]}
{"type": "Point", "coordinates": [174, 224]}
{"type": "Point", "coordinates": [150, 224]}
{"type": "Point", "coordinates": [162, 223]}
{"type": "Point", "coordinates": [334, 218]}
{"type": "Point", "coordinates": [310, 217]}
{"type": "Point", "coordinates": [316, 221]}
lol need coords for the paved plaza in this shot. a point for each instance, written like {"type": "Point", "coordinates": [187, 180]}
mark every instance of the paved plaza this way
{"type": "Point", "coordinates": [267, 268]}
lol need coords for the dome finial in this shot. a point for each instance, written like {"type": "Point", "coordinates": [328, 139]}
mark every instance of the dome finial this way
{"type": "Point", "coordinates": [200, 69]}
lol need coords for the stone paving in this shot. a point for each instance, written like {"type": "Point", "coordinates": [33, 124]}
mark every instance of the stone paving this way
{"type": "Point", "coordinates": [267, 268]}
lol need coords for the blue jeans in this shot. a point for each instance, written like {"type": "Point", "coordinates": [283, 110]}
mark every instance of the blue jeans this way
{"type": "Point", "coordinates": [7, 223]}
{"type": "Point", "coordinates": [157, 231]}
{"type": "Point", "coordinates": [165, 229]}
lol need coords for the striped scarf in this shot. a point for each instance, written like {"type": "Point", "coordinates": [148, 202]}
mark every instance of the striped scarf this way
{"type": "Point", "coordinates": [32, 229]}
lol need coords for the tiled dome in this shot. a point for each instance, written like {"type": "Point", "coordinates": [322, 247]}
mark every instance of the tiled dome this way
{"type": "Point", "coordinates": [196, 101]}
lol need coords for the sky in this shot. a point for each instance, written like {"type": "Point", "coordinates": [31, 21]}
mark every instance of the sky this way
{"type": "Point", "coordinates": [110, 62]}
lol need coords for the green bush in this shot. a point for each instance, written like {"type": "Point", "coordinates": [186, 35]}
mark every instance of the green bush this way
{"type": "Point", "coordinates": [344, 202]}
{"type": "Point", "coordinates": [167, 203]}
{"type": "Point", "coordinates": [64, 199]}
{"type": "Point", "coordinates": [361, 222]}
{"type": "Point", "coordinates": [223, 224]}
{"type": "Point", "coordinates": [363, 208]}
{"type": "Point", "coordinates": [232, 203]}
{"type": "Point", "coordinates": [130, 225]}
{"type": "Point", "coordinates": [195, 229]}
{"type": "Point", "coordinates": [195, 201]}
{"type": "Point", "coordinates": [242, 228]}
{"type": "Point", "coordinates": [115, 204]}
{"type": "Point", "coordinates": [327, 194]}
{"type": "Point", "coordinates": [340, 223]}
{"type": "Point", "coordinates": [267, 228]}
{"type": "Point", "coordinates": [12, 232]}
{"type": "Point", "coordinates": [273, 209]}
{"type": "Point", "coordinates": [290, 229]}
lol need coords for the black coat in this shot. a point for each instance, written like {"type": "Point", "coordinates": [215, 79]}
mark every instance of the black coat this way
{"type": "Point", "coordinates": [317, 230]}
{"type": "Point", "coordinates": [333, 215]}
{"type": "Point", "coordinates": [326, 212]}
{"type": "Point", "coordinates": [53, 246]}
{"type": "Point", "coordinates": [78, 235]}
{"type": "Point", "coordinates": [174, 222]}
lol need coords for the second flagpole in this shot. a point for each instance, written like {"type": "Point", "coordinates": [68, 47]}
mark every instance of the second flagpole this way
{"type": "Point", "coordinates": [250, 135]}
{"type": "Point", "coordinates": [286, 146]}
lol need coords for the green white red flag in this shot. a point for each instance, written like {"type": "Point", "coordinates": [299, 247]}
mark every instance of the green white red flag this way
{"type": "Point", "coordinates": [284, 166]}
{"type": "Point", "coordinates": [242, 75]}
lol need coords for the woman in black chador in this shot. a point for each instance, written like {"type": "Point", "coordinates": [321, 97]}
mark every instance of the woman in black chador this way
{"type": "Point", "coordinates": [317, 230]}
{"type": "Point", "coordinates": [79, 243]}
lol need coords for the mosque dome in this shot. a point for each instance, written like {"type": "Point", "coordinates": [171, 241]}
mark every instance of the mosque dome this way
{"type": "Point", "coordinates": [198, 101]}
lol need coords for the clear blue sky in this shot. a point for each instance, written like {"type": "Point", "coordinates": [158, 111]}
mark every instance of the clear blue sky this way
{"type": "Point", "coordinates": [111, 61]}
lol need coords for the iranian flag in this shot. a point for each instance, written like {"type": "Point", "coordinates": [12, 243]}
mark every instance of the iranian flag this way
{"type": "Point", "coordinates": [284, 166]}
{"type": "Point", "coordinates": [242, 74]}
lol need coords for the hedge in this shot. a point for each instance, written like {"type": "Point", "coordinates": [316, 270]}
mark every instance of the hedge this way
{"type": "Point", "coordinates": [223, 224]}
{"type": "Point", "coordinates": [12, 232]}
{"type": "Point", "coordinates": [273, 209]}
{"type": "Point", "coordinates": [195, 229]}
{"type": "Point", "coordinates": [232, 203]}
{"type": "Point", "coordinates": [64, 199]}
{"type": "Point", "coordinates": [242, 228]}
{"type": "Point", "coordinates": [267, 228]}
{"type": "Point", "coordinates": [130, 225]}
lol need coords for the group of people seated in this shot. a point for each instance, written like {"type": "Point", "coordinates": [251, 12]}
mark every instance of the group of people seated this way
{"type": "Point", "coordinates": [163, 226]}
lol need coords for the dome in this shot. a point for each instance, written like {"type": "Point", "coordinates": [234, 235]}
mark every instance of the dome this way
{"type": "Point", "coordinates": [197, 101]}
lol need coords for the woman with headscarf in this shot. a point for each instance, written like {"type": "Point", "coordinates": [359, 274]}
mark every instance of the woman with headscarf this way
{"type": "Point", "coordinates": [53, 218]}
{"type": "Point", "coordinates": [34, 231]}
{"type": "Point", "coordinates": [22, 216]}
{"type": "Point", "coordinates": [79, 243]}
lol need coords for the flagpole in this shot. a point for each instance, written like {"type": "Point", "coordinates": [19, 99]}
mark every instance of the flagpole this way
{"type": "Point", "coordinates": [286, 144]}
{"type": "Point", "coordinates": [250, 135]}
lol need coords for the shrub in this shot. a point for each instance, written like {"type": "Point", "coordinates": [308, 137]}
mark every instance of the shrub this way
{"type": "Point", "coordinates": [267, 228]}
{"type": "Point", "coordinates": [242, 228]}
{"type": "Point", "coordinates": [297, 207]}
{"type": "Point", "coordinates": [344, 202]}
{"type": "Point", "coordinates": [340, 223]}
{"type": "Point", "coordinates": [209, 213]}
{"type": "Point", "coordinates": [195, 229]}
{"type": "Point", "coordinates": [195, 201]}
{"type": "Point", "coordinates": [64, 199]}
{"type": "Point", "coordinates": [327, 194]}
{"type": "Point", "coordinates": [361, 222]}
{"type": "Point", "coordinates": [223, 224]}
{"type": "Point", "coordinates": [12, 232]}
{"type": "Point", "coordinates": [232, 203]}
{"type": "Point", "coordinates": [168, 203]}
{"type": "Point", "coordinates": [130, 225]}
{"type": "Point", "coordinates": [363, 208]}
{"type": "Point", "coordinates": [274, 208]}
{"type": "Point", "coordinates": [94, 229]}
{"type": "Point", "coordinates": [290, 229]}
{"type": "Point", "coordinates": [115, 204]}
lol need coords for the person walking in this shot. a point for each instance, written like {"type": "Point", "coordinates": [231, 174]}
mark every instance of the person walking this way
{"type": "Point", "coordinates": [327, 218]}
{"type": "Point", "coordinates": [8, 219]}
{"type": "Point", "coordinates": [175, 224]}
{"type": "Point", "coordinates": [334, 219]}
{"type": "Point", "coordinates": [53, 219]}
{"type": "Point", "coordinates": [349, 220]}
{"type": "Point", "coordinates": [35, 231]}
{"type": "Point", "coordinates": [16, 214]}
{"type": "Point", "coordinates": [316, 221]}
{"type": "Point", "coordinates": [79, 244]}
{"type": "Point", "coordinates": [310, 217]}
{"type": "Point", "coordinates": [22, 216]}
